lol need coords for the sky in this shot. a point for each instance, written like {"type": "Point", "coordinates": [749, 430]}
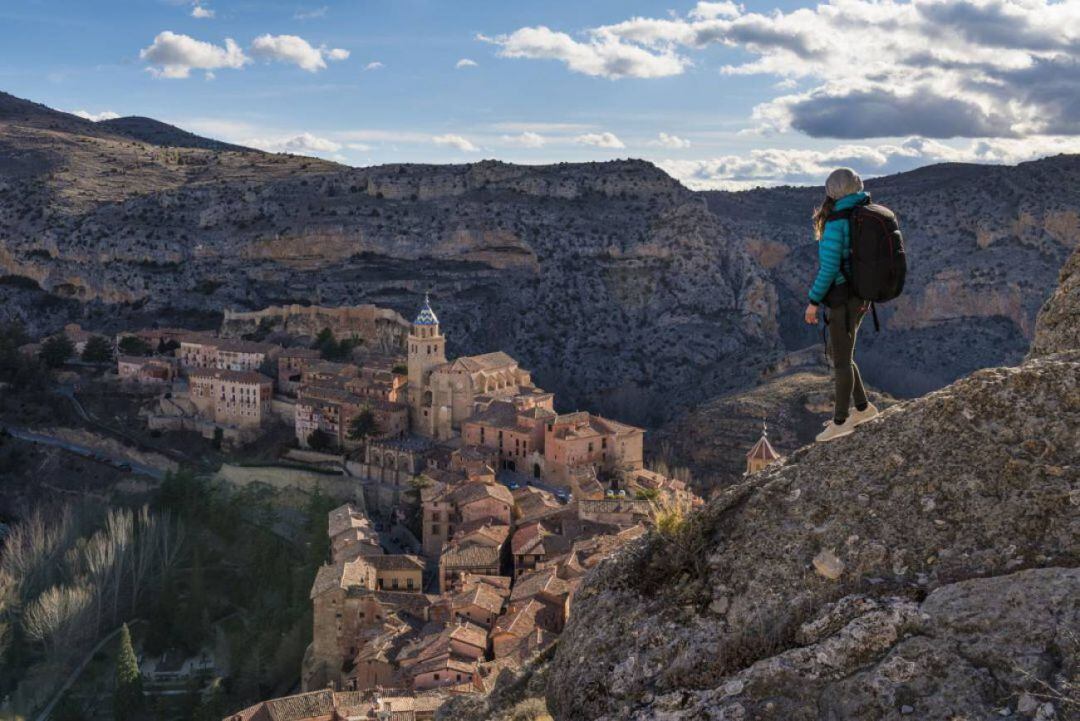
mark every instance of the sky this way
{"type": "Point", "coordinates": [719, 94]}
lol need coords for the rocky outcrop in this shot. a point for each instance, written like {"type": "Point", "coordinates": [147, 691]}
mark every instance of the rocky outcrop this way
{"type": "Point", "coordinates": [924, 567]}
{"type": "Point", "coordinates": [1058, 327]}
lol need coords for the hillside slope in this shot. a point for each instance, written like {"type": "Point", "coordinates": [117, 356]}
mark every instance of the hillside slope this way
{"type": "Point", "coordinates": [924, 567]}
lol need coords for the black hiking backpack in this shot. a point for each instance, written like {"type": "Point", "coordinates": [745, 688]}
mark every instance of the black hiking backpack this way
{"type": "Point", "coordinates": [878, 263]}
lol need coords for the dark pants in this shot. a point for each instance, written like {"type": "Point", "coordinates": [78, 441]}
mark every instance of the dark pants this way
{"type": "Point", "coordinates": [844, 320]}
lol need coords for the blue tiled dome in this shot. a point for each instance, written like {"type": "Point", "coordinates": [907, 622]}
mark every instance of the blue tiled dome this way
{"type": "Point", "coordinates": [426, 316]}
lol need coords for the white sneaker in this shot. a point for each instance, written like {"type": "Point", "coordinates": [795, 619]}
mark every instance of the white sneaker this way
{"type": "Point", "coordinates": [833, 431]}
{"type": "Point", "coordinates": [857, 417]}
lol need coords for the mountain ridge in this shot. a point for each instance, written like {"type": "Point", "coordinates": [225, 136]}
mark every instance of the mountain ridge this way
{"type": "Point", "coordinates": [622, 289]}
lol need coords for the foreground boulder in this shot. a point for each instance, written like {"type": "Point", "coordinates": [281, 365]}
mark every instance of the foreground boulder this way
{"type": "Point", "coordinates": [1057, 327]}
{"type": "Point", "coordinates": [830, 587]}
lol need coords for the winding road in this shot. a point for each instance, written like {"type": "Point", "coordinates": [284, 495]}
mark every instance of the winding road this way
{"type": "Point", "coordinates": [112, 459]}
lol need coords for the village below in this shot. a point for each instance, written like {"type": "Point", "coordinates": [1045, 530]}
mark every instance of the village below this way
{"type": "Point", "coordinates": [446, 510]}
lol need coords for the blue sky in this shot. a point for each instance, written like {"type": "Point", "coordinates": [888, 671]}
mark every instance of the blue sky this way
{"type": "Point", "coordinates": [719, 94]}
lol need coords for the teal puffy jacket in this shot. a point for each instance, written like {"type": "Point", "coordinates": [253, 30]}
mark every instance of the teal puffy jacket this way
{"type": "Point", "coordinates": [833, 249]}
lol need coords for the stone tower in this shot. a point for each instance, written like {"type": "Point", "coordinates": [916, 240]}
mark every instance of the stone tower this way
{"type": "Point", "coordinates": [762, 454]}
{"type": "Point", "coordinates": [427, 349]}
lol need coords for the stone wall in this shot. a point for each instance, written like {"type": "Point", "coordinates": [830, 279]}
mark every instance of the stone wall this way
{"type": "Point", "coordinates": [380, 328]}
{"type": "Point", "coordinates": [281, 478]}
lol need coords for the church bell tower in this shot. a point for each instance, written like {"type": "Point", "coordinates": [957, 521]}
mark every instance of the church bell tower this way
{"type": "Point", "coordinates": [427, 349]}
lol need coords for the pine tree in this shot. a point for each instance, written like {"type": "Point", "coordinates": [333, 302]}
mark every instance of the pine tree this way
{"type": "Point", "coordinates": [98, 349]}
{"type": "Point", "coordinates": [128, 694]}
{"type": "Point", "coordinates": [364, 425]}
{"type": "Point", "coordinates": [56, 350]}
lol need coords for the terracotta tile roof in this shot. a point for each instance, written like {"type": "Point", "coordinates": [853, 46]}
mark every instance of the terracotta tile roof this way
{"type": "Point", "coordinates": [583, 424]}
{"type": "Point", "coordinates": [338, 575]}
{"type": "Point", "coordinates": [485, 362]}
{"type": "Point", "coordinates": [449, 663]}
{"type": "Point", "coordinates": [469, 633]}
{"type": "Point", "coordinates": [763, 450]}
{"type": "Point", "coordinates": [302, 706]}
{"type": "Point", "coordinates": [248, 377]}
{"type": "Point", "coordinates": [520, 619]}
{"type": "Point", "coordinates": [529, 539]}
{"type": "Point", "coordinates": [483, 530]}
{"type": "Point", "coordinates": [482, 596]}
{"type": "Point", "coordinates": [471, 492]}
{"type": "Point", "coordinates": [544, 581]}
{"type": "Point", "coordinates": [395, 562]}
{"type": "Point", "coordinates": [344, 518]}
{"type": "Point", "coordinates": [469, 556]}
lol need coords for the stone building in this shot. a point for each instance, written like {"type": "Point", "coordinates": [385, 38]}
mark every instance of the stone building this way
{"type": "Point", "coordinates": [351, 535]}
{"type": "Point", "coordinates": [203, 351]}
{"type": "Point", "coordinates": [292, 362]}
{"type": "Point", "coordinates": [332, 410]}
{"type": "Point", "coordinates": [514, 428]}
{"type": "Point", "coordinates": [140, 369]}
{"type": "Point", "coordinates": [352, 599]}
{"type": "Point", "coordinates": [442, 394]}
{"type": "Point", "coordinates": [576, 440]}
{"type": "Point", "coordinates": [762, 454]}
{"type": "Point", "coordinates": [445, 508]}
{"type": "Point", "coordinates": [231, 398]}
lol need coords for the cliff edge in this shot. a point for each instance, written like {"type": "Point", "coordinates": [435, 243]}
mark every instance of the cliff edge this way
{"type": "Point", "coordinates": [925, 567]}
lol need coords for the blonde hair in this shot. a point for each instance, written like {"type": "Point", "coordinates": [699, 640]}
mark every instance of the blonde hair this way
{"type": "Point", "coordinates": [821, 216]}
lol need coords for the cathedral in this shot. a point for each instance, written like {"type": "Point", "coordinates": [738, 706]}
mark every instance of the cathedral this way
{"type": "Point", "coordinates": [444, 393]}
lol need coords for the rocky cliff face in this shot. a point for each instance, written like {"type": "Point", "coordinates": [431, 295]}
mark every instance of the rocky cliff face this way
{"type": "Point", "coordinates": [621, 289]}
{"type": "Point", "coordinates": [924, 567]}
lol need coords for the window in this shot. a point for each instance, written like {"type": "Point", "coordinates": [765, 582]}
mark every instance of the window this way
{"type": "Point", "coordinates": [436, 677]}
{"type": "Point", "coordinates": [435, 529]}
{"type": "Point", "coordinates": [394, 584]}
{"type": "Point", "coordinates": [409, 584]}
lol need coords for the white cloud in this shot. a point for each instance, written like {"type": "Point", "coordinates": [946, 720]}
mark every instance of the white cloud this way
{"type": "Point", "coordinates": [173, 55]}
{"type": "Point", "coordinates": [199, 11]}
{"type": "Point", "coordinates": [777, 166]}
{"type": "Point", "coordinates": [310, 14]}
{"type": "Point", "coordinates": [362, 147]}
{"type": "Point", "coordinates": [600, 140]}
{"type": "Point", "coordinates": [300, 144]}
{"type": "Point", "coordinates": [664, 140]}
{"type": "Point", "coordinates": [465, 63]}
{"type": "Point", "coordinates": [455, 141]}
{"type": "Point", "coordinates": [374, 65]}
{"type": "Point", "coordinates": [294, 49]}
{"type": "Point", "coordinates": [96, 117]}
{"type": "Point", "coordinates": [527, 139]}
{"type": "Point", "coordinates": [602, 54]}
{"type": "Point", "coordinates": [935, 68]}
{"type": "Point", "coordinates": [712, 10]}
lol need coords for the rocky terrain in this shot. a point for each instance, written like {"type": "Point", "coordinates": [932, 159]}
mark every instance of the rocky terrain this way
{"type": "Point", "coordinates": [925, 567]}
{"type": "Point", "coordinates": [793, 396]}
{"type": "Point", "coordinates": [622, 290]}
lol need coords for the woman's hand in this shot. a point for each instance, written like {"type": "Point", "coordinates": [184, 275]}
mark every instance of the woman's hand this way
{"type": "Point", "coordinates": [811, 314]}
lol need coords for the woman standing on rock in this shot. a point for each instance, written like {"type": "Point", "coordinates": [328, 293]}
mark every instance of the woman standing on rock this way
{"type": "Point", "coordinates": [843, 192]}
